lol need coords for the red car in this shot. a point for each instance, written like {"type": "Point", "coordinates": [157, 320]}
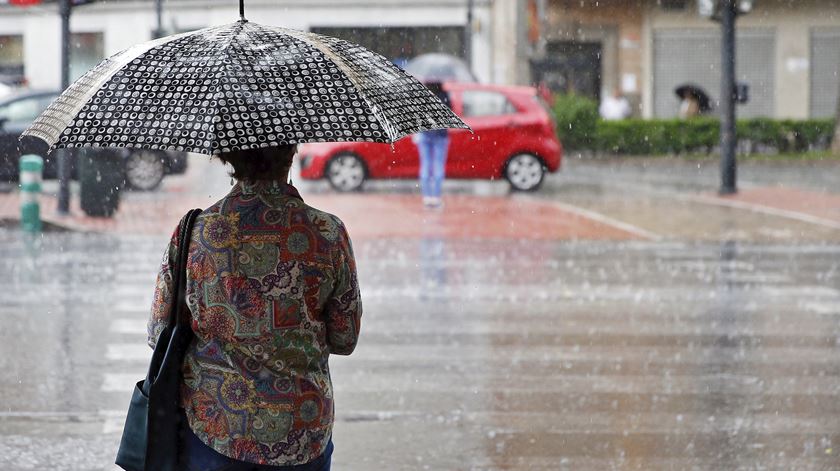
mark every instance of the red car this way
{"type": "Point", "coordinates": [514, 137]}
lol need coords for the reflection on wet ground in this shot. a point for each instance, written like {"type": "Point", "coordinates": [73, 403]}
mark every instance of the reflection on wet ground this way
{"type": "Point", "coordinates": [477, 354]}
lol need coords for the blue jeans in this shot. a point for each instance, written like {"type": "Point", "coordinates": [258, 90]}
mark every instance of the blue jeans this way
{"type": "Point", "coordinates": [433, 147]}
{"type": "Point", "coordinates": [196, 456]}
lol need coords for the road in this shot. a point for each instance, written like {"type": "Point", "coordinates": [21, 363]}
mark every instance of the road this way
{"type": "Point", "coordinates": [587, 337]}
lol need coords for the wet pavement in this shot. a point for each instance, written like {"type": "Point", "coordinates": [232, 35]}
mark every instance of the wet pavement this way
{"type": "Point", "coordinates": [616, 199]}
{"type": "Point", "coordinates": [695, 336]}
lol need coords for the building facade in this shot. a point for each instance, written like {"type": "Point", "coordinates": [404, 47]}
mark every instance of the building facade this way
{"type": "Point", "coordinates": [788, 52]}
{"type": "Point", "coordinates": [30, 36]}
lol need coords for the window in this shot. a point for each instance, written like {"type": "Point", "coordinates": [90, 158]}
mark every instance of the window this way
{"type": "Point", "coordinates": [86, 50]}
{"type": "Point", "coordinates": [678, 5]}
{"type": "Point", "coordinates": [484, 103]}
{"type": "Point", "coordinates": [25, 110]}
{"type": "Point", "coordinates": [402, 43]}
{"type": "Point", "coordinates": [11, 59]}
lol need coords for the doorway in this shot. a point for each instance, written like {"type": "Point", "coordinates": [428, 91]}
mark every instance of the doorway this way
{"type": "Point", "coordinates": [570, 67]}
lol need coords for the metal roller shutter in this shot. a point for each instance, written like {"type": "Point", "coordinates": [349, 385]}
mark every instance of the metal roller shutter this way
{"type": "Point", "coordinates": [825, 68]}
{"type": "Point", "coordinates": [693, 56]}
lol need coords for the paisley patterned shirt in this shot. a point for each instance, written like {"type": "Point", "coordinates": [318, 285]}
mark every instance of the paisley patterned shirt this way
{"type": "Point", "coordinates": [272, 290]}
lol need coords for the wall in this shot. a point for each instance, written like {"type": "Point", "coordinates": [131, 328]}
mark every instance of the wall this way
{"type": "Point", "coordinates": [617, 24]}
{"type": "Point", "coordinates": [128, 22]}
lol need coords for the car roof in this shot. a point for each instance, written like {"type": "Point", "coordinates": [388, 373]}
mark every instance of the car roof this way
{"type": "Point", "coordinates": [27, 94]}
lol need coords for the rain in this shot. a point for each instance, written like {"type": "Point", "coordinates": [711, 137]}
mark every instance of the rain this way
{"type": "Point", "coordinates": [587, 235]}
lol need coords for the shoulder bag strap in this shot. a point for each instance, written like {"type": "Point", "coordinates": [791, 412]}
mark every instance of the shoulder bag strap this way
{"type": "Point", "coordinates": [179, 284]}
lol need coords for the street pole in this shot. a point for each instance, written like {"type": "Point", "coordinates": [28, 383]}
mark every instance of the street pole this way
{"type": "Point", "coordinates": [62, 155]}
{"type": "Point", "coordinates": [159, 15]}
{"type": "Point", "coordinates": [468, 29]}
{"type": "Point", "coordinates": [728, 163]}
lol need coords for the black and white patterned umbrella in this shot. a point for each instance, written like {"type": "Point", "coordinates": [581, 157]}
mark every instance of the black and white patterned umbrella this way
{"type": "Point", "coordinates": [240, 86]}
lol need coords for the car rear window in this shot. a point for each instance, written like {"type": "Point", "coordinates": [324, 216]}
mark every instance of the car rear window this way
{"type": "Point", "coordinates": [25, 110]}
{"type": "Point", "coordinates": [21, 111]}
{"type": "Point", "coordinates": [486, 103]}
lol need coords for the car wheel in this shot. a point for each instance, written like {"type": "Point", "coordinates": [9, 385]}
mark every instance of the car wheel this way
{"type": "Point", "coordinates": [346, 172]}
{"type": "Point", "coordinates": [144, 170]}
{"type": "Point", "coordinates": [525, 172]}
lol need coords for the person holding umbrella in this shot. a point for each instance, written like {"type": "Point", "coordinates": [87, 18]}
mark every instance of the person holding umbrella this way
{"type": "Point", "coordinates": [269, 287]}
{"type": "Point", "coordinates": [273, 292]}
{"type": "Point", "coordinates": [694, 101]}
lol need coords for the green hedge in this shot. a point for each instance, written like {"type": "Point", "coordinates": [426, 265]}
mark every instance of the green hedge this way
{"type": "Point", "coordinates": [673, 136]}
{"type": "Point", "coordinates": [580, 128]}
{"type": "Point", "coordinates": [577, 121]}
{"type": "Point", "coordinates": [637, 136]}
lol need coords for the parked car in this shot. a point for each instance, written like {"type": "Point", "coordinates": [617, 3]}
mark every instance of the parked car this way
{"type": "Point", "coordinates": [10, 82]}
{"type": "Point", "coordinates": [514, 138]}
{"type": "Point", "coordinates": [144, 169]}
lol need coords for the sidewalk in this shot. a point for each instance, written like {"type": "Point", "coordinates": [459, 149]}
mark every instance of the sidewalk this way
{"type": "Point", "coordinates": [367, 216]}
{"type": "Point", "coordinates": [563, 215]}
{"type": "Point", "coordinates": [808, 206]}
{"type": "Point", "coordinates": [133, 217]}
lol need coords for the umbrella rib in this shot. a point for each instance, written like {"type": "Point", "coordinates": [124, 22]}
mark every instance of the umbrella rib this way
{"type": "Point", "coordinates": [225, 50]}
{"type": "Point", "coordinates": [350, 73]}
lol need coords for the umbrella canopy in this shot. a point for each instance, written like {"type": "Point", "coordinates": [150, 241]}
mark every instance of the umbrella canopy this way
{"type": "Point", "coordinates": [240, 86]}
{"type": "Point", "coordinates": [695, 90]}
{"type": "Point", "coordinates": [439, 68]}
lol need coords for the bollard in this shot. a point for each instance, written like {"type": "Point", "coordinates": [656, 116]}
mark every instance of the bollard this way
{"type": "Point", "coordinates": [31, 169]}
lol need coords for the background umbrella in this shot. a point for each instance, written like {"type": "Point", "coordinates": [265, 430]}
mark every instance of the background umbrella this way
{"type": "Point", "coordinates": [240, 86]}
{"type": "Point", "coordinates": [702, 97]}
{"type": "Point", "coordinates": [439, 68]}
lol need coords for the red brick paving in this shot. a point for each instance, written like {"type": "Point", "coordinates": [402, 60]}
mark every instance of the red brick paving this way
{"type": "Point", "coordinates": [374, 215]}
{"type": "Point", "coordinates": [367, 216]}
{"type": "Point", "coordinates": [493, 217]}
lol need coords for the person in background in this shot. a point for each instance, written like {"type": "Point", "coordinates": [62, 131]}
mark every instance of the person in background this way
{"type": "Point", "coordinates": [615, 107]}
{"type": "Point", "coordinates": [433, 147]}
{"type": "Point", "coordinates": [406, 53]}
{"type": "Point", "coordinates": [689, 106]}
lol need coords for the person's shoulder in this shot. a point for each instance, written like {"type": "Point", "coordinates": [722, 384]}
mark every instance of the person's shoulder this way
{"type": "Point", "coordinates": [321, 214]}
{"type": "Point", "coordinates": [222, 205]}
{"type": "Point", "coordinates": [328, 224]}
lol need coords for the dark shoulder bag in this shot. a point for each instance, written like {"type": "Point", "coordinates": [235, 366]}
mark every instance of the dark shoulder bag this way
{"type": "Point", "coordinates": [151, 433]}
